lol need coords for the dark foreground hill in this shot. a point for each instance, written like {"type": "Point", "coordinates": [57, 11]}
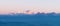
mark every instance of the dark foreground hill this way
{"type": "Point", "coordinates": [42, 19]}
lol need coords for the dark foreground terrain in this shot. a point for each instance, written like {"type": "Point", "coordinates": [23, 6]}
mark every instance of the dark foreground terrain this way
{"type": "Point", "coordinates": [30, 20]}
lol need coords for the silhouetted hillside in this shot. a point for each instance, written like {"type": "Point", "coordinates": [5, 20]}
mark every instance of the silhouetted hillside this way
{"type": "Point", "coordinates": [39, 19]}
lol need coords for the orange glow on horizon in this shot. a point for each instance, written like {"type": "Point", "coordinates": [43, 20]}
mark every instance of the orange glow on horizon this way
{"type": "Point", "coordinates": [2, 11]}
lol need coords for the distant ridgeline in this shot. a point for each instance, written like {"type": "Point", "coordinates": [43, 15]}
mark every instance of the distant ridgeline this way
{"type": "Point", "coordinates": [39, 19]}
{"type": "Point", "coordinates": [53, 14]}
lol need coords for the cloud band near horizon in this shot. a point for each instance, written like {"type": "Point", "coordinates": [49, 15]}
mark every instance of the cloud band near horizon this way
{"type": "Point", "coordinates": [20, 6]}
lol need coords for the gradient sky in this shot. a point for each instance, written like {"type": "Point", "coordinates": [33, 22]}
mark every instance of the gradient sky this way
{"type": "Point", "coordinates": [9, 6]}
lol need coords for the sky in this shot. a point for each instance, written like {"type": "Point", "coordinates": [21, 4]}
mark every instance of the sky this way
{"type": "Point", "coordinates": [20, 6]}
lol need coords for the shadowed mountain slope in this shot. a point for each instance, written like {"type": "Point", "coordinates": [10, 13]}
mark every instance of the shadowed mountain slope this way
{"type": "Point", "coordinates": [39, 19]}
